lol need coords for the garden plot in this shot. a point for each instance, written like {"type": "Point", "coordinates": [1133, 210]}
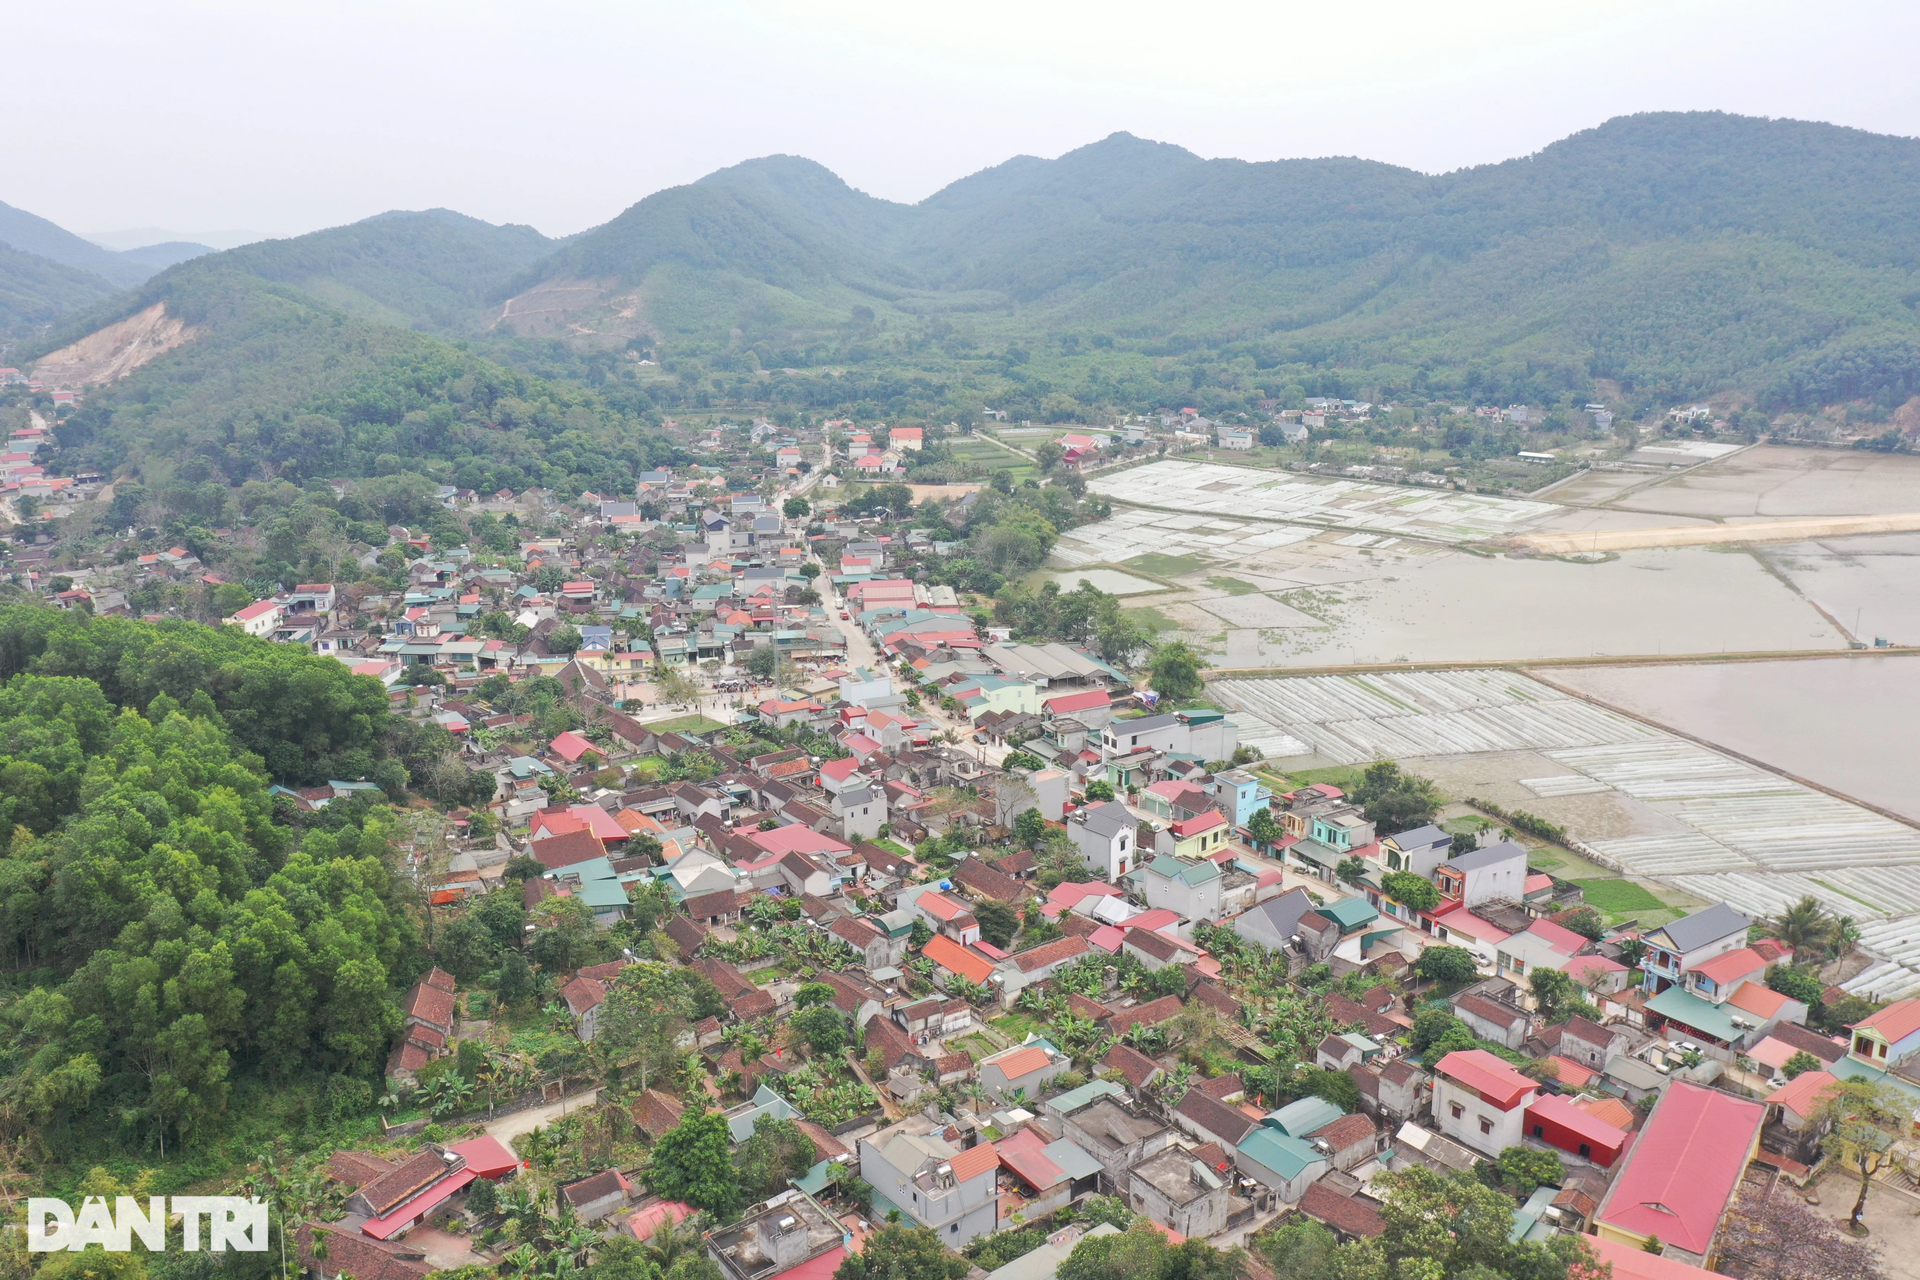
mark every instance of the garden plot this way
{"type": "Point", "coordinates": [1246, 494]}
{"type": "Point", "coordinates": [1258, 611]}
{"type": "Point", "coordinates": [1133, 531]}
{"type": "Point", "coordinates": [1710, 825]}
{"type": "Point", "coordinates": [1354, 719]}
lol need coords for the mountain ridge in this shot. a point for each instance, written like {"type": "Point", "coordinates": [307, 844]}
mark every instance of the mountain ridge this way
{"type": "Point", "coordinates": [1673, 254]}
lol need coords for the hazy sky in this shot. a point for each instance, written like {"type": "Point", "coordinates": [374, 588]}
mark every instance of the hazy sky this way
{"type": "Point", "coordinates": [287, 115]}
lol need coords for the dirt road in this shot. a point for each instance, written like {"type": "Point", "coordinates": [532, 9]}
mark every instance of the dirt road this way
{"type": "Point", "coordinates": [509, 1127]}
{"type": "Point", "coordinates": [1702, 535]}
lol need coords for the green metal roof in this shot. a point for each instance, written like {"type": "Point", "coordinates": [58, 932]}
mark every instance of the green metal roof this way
{"type": "Point", "coordinates": [1349, 913]}
{"type": "Point", "coordinates": [602, 894]}
{"type": "Point", "coordinates": [1702, 1015]}
{"type": "Point", "coordinates": [1090, 1092]}
{"type": "Point", "coordinates": [1302, 1116]}
{"type": "Point", "coordinates": [1189, 873]}
{"type": "Point", "coordinates": [1851, 1068]}
{"type": "Point", "coordinates": [1288, 1157]}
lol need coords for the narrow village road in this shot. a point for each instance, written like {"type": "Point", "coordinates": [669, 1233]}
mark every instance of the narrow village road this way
{"type": "Point", "coordinates": [508, 1127]}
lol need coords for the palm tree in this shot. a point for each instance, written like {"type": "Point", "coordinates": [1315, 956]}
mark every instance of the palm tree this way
{"type": "Point", "coordinates": [672, 1240]}
{"type": "Point", "coordinates": [1146, 1039]}
{"type": "Point", "coordinates": [1805, 927]}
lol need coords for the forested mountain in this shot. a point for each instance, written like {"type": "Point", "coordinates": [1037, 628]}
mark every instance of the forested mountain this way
{"type": "Point", "coordinates": [47, 274]}
{"type": "Point", "coordinates": [1675, 253]}
{"type": "Point", "coordinates": [436, 270]}
{"type": "Point", "coordinates": [37, 291]}
{"type": "Point", "coordinates": [1656, 258]}
{"type": "Point", "coordinates": [278, 384]}
{"type": "Point", "coordinates": [30, 233]}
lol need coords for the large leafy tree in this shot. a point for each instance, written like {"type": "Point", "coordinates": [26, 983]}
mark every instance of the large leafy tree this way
{"type": "Point", "coordinates": [1176, 671]}
{"type": "Point", "coordinates": [1396, 801]}
{"type": "Point", "coordinates": [900, 1252]}
{"type": "Point", "coordinates": [778, 1151]}
{"type": "Point", "coordinates": [647, 1009]}
{"type": "Point", "coordinates": [693, 1162]}
{"type": "Point", "coordinates": [1864, 1120]}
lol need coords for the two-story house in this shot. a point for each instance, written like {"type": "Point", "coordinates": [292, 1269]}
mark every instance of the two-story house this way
{"type": "Point", "coordinates": [1188, 886]}
{"type": "Point", "coordinates": [947, 916]}
{"type": "Point", "coordinates": [1342, 830]}
{"type": "Point", "coordinates": [1493, 873]}
{"type": "Point", "coordinates": [952, 1192]}
{"type": "Point", "coordinates": [1887, 1038]}
{"type": "Point", "coordinates": [1195, 837]}
{"type": "Point", "coordinates": [1676, 948]}
{"type": "Point", "coordinates": [1249, 794]}
{"type": "Point", "coordinates": [1481, 1101]}
{"type": "Point", "coordinates": [1420, 850]}
{"type": "Point", "coordinates": [877, 949]}
{"type": "Point", "coordinates": [1104, 834]}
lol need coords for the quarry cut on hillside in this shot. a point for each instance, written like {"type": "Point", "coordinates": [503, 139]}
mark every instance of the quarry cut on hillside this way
{"type": "Point", "coordinates": [108, 354]}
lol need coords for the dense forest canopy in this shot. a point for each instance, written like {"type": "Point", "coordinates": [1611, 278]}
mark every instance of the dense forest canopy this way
{"type": "Point", "coordinates": [164, 936]}
{"type": "Point", "coordinates": [306, 717]}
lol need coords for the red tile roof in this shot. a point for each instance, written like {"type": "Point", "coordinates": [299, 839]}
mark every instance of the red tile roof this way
{"type": "Point", "coordinates": [1685, 1168]}
{"type": "Point", "coordinates": [1055, 952]}
{"type": "Point", "coordinates": [1137, 1067]}
{"type": "Point", "coordinates": [1488, 1076]}
{"type": "Point", "coordinates": [560, 851]}
{"type": "Point", "coordinates": [1734, 964]}
{"type": "Point", "coordinates": [1895, 1022]}
{"type": "Point", "coordinates": [432, 1005]}
{"type": "Point", "coordinates": [1348, 1214]}
{"type": "Point", "coordinates": [1153, 1013]}
{"type": "Point", "coordinates": [1347, 1131]}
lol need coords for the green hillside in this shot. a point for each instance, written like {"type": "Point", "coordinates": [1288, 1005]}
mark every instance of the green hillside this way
{"type": "Point", "coordinates": [1676, 254]}
{"type": "Point", "coordinates": [1654, 259]}
{"type": "Point", "coordinates": [37, 291]}
{"type": "Point", "coordinates": [282, 385]}
{"type": "Point", "coordinates": [434, 270]}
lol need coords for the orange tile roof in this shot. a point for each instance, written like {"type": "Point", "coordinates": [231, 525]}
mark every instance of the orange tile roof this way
{"type": "Point", "coordinates": [1570, 1072]}
{"type": "Point", "coordinates": [1015, 1063]}
{"type": "Point", "coordinates": [974, 1161]}
{"type": "Point", "coordinates": [1612, 1110]}
{"type": "Point", "coordinates": [955, 958]}
{"type": "Point", "coordinates": [1802, 1095]}
{"type": "Point", "coordinates": [1757, 998]}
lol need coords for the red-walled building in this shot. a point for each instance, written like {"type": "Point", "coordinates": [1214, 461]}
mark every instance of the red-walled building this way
{"type": "Point", "coordinates": [1558, 1123]}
